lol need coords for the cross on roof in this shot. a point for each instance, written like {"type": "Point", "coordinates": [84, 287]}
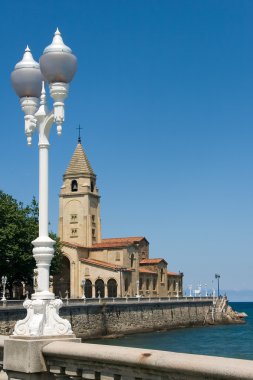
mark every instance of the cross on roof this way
{"type": "Point", "coordinates": [79, 134]}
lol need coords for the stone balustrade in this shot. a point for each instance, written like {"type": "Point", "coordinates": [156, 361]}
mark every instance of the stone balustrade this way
{"type": "Point", "coordinates": [80, 301]}
{"type": "Point", "coordinates": [71, 360]}
{"type": "Point", "coordinates": [99, 362]}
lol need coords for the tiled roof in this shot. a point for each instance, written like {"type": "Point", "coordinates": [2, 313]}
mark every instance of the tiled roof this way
{"type": "Point", "coordinates": [173, 274]}
{"type": "Point", "coordinates": [109, 243]}
{"type": "Point", "coordinates": [76, 245]}
{"type": "Point", "coordinates": [79, 163]}
{"type": "Point", "coordinates": [118, 242]}
{"type": "Point", "coordinates": [143, 270]}
{"type": "Point", "coordinates": [151, 261]}
{"type": "Point", "coordinates": [101, 264]}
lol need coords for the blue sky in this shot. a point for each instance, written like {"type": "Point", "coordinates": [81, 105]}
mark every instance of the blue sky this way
{"type": "Point", "coordinates": [164, 94]}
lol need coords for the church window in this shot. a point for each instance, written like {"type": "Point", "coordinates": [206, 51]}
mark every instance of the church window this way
{"type": "Point", "coordinates": [73, 218]}
{"type": "Point", "coordinates": [93, 235]}
{"type": "Point", "coordinates": [162, 275]}
{"type": "Point", "coordinates": [132, 260]}
{"type": "Point", "coordinates": [147, 284]}
{"type": "Point", "coordinates": [99, 288]}
{"type": "Point", "coordinates": [74, 232]}
{"type": "Point", "coordinates": [126, 284]}
{"type": "Point", "coordinates": [92, 186]}
{"type": "Point", "coordinates": [74, 185]}
{"type": "Point", "coordinates": [117, 256]}
{"type": "Point", "coordinates": [112, 288]}
{"type": "Point", "coordinates": [88, 289]}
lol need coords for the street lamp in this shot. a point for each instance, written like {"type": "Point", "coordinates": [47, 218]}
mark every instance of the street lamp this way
{"type": "Point", "coordinates": [177, 290]}
{"type": "Point", "coordinates": [57, 66]}
{"type": "Point", "coordinates": [217, 276]}
{"type": "Point", "coordinates": [206, 290]}
{"type": "Point", "coordinates": [138, 290]}
{"type": "Point", "coordinates": [83, 285]}
{"type": "Point", "coordinates": [4, 281]}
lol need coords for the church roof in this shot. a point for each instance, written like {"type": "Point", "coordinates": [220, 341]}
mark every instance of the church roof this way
{"type": "Point", "coordinates": [151, 261]}
{"type": "Point", "coordinates": [143, 270]}
{"type": "Point", "coordinates": [173, 274]}
{"type": "Point", "coordinates": [118, 242]}
{"type": "Point", "coordinates": [110, 243]}
{"type": "Point", "coordinates": [102, 264]}
{"type": "Point", "coordinates": [79, 163]}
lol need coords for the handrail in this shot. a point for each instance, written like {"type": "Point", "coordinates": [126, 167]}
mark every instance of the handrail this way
{"type": "Point", "coordinates": [140, 363]}
{"type": "Point", "coordinates": [19, 303]}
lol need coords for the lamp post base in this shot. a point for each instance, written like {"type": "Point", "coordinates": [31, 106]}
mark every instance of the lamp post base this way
{"type": "Point", "coordinates": [45, 295]}
{"type": "Point", "coordinates": [42, 319]}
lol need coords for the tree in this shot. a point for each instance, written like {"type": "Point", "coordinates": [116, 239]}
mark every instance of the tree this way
{"type": "Point", "coordinates": [18, 228]}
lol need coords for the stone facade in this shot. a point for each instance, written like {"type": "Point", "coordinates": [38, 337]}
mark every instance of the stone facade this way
{"type": "Point", "coordinates": [96, 267]}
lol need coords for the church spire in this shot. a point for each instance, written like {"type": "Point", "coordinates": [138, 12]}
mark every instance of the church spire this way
{"type": "Point", "coordinates": [79, 163]}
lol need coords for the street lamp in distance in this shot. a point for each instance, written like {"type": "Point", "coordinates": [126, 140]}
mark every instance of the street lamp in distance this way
{"type": "Point", "coordinates": [217, 276]}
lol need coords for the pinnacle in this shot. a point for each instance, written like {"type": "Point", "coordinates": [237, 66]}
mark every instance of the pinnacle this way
{"type": "Point", "coordinates": [79, 163]}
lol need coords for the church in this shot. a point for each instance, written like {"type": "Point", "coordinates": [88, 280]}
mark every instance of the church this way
{"type": "Point", "coordinates": [97, 267]}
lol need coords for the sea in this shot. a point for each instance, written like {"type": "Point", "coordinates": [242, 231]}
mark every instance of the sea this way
{"type": "Point", "coordinates": [232, 341]}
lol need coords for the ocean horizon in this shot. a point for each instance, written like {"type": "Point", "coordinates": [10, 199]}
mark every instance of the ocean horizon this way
{"type": "Point", "coordinates": [231, 340]}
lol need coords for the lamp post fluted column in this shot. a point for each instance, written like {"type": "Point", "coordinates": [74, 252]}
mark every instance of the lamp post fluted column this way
{"type": "Point", "coordinates": [57, 66]}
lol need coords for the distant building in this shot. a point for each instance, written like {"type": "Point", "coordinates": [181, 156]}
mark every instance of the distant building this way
{"type": "Point", "coordinates": [114, 267]}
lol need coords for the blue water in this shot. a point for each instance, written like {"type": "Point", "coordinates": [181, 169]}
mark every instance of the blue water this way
{"type": "Point", "coordinates": [235, 341]}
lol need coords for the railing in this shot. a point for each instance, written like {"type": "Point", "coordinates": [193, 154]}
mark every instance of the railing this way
{"type": "Point", "coordinates": [80, 301]}
{"type": "Point", "coordinates": [99, 362]}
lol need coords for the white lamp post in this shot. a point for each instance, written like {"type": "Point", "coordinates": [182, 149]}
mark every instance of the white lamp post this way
{"type": "Point", "coordinates": [206, 290]}
{"type": "Point", "coordinates": [4, 281]}
{"type": "Point", "coordinates": [83, 285]}
{"type": "Point", "coordinates": [190, 290]}
{"type": "Point", "coordinates": [58, 66]}
{"type": "Point", "coordinates": [177, 290]}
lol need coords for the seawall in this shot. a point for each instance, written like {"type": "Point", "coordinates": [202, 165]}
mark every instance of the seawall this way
{"type": "Point", "coordinates": [108, 318]}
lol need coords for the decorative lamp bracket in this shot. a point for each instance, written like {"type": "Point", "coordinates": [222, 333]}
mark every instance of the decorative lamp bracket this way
{"type": "Point", "coordinates": [59, 92]}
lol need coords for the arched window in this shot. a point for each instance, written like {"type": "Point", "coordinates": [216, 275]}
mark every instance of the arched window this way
{"type": "Point", "coordinates": [154, 283]}
{"type": "Point", "coordinates": [132, 260]}
{"type": "Point", "coordinates": [141, 283]}
{"type": "Point", "coordinates": [74, 185]}
{"type": "Point", "coordinates": [126, 284]}
{"type": "Point", "coordinates": [92, 186]}
{"type": "Point", "coordinates": [147, 284]}
{"type": "Point", "coordinates": [174, 285]}
{"type": "Point", "coordinates": [112, 288]}
{"type": "Point", "coordinates": [99, 288]}
{"type": "Point", "coordinates": [88, 289]}
{"type": "Point", "coordinates": [162, 275]}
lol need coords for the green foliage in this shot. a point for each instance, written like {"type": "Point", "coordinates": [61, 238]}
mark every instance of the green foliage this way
{"type": "Point", "coordinates": [18, 228]}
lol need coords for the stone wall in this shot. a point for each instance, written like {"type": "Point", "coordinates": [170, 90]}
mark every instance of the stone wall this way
{"type": "Point", "coordinates": [116, 319]}
{"type": "Point", "coordinates": [96, 320]}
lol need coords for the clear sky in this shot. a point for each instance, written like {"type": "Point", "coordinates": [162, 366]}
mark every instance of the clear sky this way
{"type": "Point", "coordinates": [164, 94]}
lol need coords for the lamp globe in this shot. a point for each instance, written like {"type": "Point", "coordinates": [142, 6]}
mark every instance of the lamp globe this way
{"type": "Point", "coordinates": [57, 62]}
{"type": "Point", "coordinates": [26, 77]}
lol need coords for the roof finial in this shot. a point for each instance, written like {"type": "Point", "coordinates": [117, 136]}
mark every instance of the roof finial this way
{"type": "Point", "coordinates": [79, 134]}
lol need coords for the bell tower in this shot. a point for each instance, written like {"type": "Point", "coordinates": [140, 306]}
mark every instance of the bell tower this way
{"type": "Point", "coordinates": [79, 214]}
